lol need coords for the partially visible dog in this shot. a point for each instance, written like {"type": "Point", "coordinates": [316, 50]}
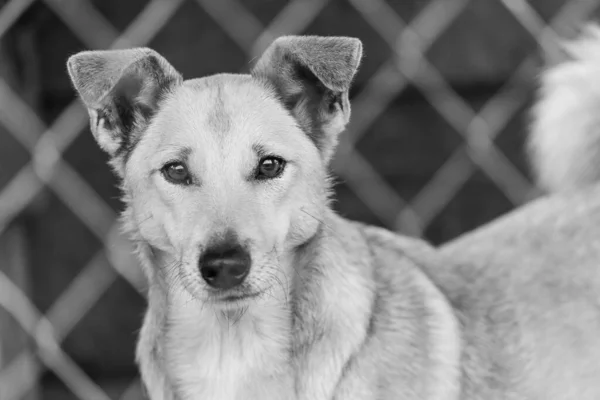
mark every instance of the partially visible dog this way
{"type": "Point", "coordinates": [257, 290]}
{"type": "Point", "coordinates": [565, 141]}
{"type": "Point", "coordinates": [528, 284]}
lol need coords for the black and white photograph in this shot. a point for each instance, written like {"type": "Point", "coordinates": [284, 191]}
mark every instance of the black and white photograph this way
{"type": "Point", "coordinates": [300, 200]}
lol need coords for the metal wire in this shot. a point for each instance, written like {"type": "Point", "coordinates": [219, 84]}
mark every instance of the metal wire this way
{"type": "Point", "coordinates": [409, 42]}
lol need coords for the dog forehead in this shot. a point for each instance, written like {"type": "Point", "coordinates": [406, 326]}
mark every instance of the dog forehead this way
{"type": "Point", "coordinates": [225, 105]}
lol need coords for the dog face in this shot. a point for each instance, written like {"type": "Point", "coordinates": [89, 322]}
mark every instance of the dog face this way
{"type": "Point", "coordinates": [224, 176]}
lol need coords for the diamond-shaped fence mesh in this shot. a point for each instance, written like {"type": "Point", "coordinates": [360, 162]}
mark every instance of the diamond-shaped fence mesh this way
{"type": "Point", "coordinates": [434, 148]}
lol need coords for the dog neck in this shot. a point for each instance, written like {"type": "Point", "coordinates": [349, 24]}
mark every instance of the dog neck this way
{"type": "Point", "coordinates": [205, 346]}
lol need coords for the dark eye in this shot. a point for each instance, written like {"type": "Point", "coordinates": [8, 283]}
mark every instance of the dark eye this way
{"type": "Point", "coordinates": [270, 168]}
{"type": "Point", "coordinates": [176, 173]}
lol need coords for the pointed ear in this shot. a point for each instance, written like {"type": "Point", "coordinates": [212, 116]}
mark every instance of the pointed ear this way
{"type": "Point", "coordinates": [312, 76]}
{"type": "Point", "coordinates": [122, 90]}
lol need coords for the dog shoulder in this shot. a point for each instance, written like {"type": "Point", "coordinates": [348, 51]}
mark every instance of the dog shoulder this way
{"type": "Point", "coordinates": [412, 305]}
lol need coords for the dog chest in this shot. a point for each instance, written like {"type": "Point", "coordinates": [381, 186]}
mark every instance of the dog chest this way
{"type": "Point", "coordinates": [212, 356]}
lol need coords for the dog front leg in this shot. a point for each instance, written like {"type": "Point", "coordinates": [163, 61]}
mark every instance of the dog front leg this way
{"type": "Point", "coordinates": [320, 368]}
{"type": "Point", "coordinates": [148, 355]}
{"type": "Point", "coordinates": [153, 378]}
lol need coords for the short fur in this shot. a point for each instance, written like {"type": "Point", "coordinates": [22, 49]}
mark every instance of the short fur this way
{"type": "Point", "coordinates": [334, 309]}
{"type": "Point", "coordinates": [528, 284]}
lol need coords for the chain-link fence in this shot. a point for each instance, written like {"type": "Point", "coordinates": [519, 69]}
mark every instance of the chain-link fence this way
{"type": "Point", "coordinates": [434, 148]}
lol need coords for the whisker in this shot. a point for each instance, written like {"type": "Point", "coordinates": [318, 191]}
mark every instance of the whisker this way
{"type": "Point", "coordinates": [151, 216]}
{"type": "Point", "coordinates": [317, 219]}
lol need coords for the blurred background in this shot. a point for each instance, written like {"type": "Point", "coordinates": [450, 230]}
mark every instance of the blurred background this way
{"type": "Point", "coordinates": [434, 148]}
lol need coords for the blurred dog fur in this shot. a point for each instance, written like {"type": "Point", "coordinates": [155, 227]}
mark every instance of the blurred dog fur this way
{"type": "Point", "coordinates": [333, 309]}
{"type": "Point", "coordinates": [528, 284]}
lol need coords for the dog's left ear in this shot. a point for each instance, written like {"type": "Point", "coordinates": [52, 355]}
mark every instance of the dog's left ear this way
{"type": "Point", "coordinates": [312, 76]}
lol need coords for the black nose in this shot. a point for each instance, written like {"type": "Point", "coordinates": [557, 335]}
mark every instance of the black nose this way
{"type": "Point", "coordinates": [225, 265]}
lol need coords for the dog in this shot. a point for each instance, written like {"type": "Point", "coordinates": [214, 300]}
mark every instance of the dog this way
{"type": "Point", "coordinates": [528, 284]}
{"type": "Point", "coordinates": [258, 290]}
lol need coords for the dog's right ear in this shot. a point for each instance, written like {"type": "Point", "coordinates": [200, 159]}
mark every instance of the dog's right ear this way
{"type": "Point", "coordinates": [122, 90]}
